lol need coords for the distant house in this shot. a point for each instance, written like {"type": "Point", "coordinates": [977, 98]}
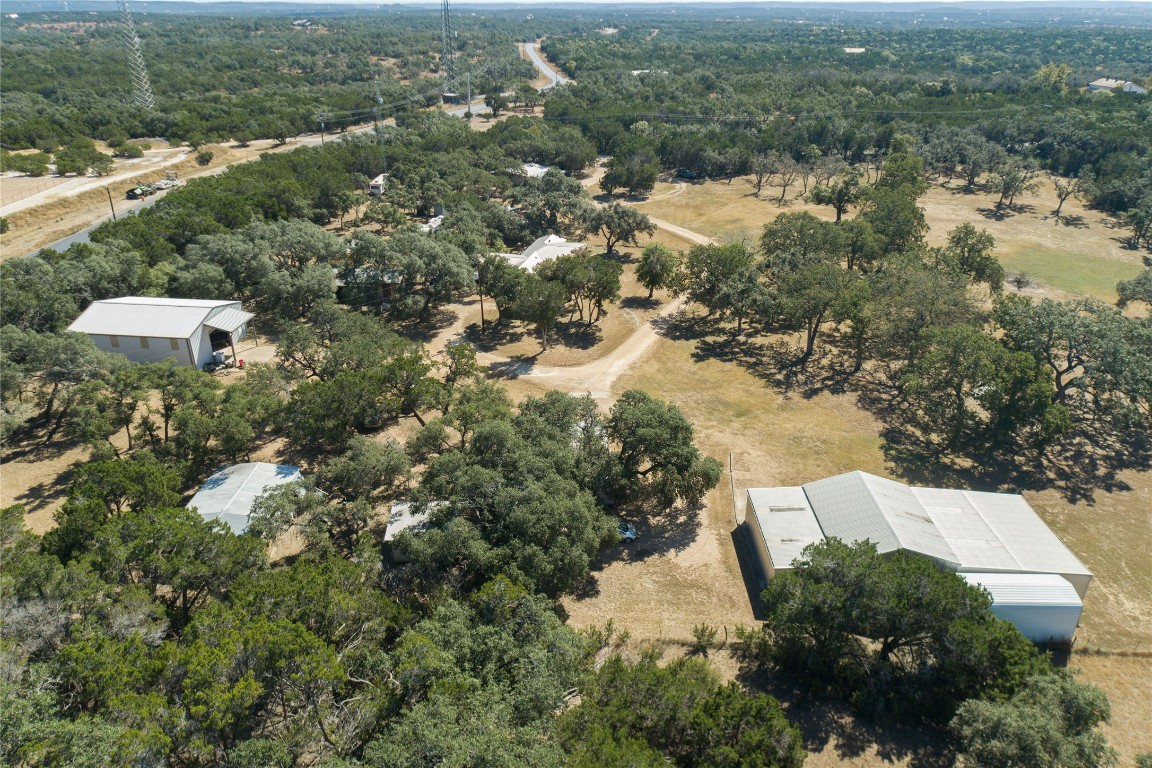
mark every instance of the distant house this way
{"type": "Point", "coordinates": [543, 249]}
{"type": "Point", "coordinates": [992, 540]}
{"type": "Point", "coordinates": [855, 50]}
{"type": "Point", "coordinates": [1112, 84]}
{"type": "Point", "coordinates": [147, 329]}
{"type": "Point", "coordinates": [303, 23]}
{"type": "Point", "coordinates": [528, 171]}
{"type": "Point", "coordinates": [230, 492]}
{"type": "Point", "coordinates": [368, 286]}
{"type": "Point", "coordinates": [404, 516]}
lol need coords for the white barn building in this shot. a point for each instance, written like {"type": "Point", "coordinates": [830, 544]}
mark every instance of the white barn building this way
{"type": "Point", "coordinates": [231, 491]}
{"type": "Point", "coordinates": [146, 329]}
{"type": "Point", "coordinates": [995, 540]}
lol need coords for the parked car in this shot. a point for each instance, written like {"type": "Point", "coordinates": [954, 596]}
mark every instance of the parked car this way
{"type": "Point", "coordinates": [627, 532]}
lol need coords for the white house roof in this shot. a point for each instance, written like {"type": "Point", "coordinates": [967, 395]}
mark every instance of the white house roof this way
{"type": "Point", "coordinates": [1026, 588]}
{"type": "Point", "coordinates": [857, 506]}
{"type": "Point", "coordinates": [231, 491]}
{"type": "Point", "coordinates": [149, 316]}
{"type": "Point", "coordinates": [534, 170]}
{"type": "Point", "coordinates": [543, 249]}
{"type": "Point", "coordinates": [786, 522]}
{"type": "Point", "coordinates": [1111, 83]}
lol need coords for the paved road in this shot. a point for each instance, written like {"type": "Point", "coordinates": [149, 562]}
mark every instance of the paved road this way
{"type": "Point", "coordinates": [122, 207]}
{"type": "Point", "coordinates": [554, 77]}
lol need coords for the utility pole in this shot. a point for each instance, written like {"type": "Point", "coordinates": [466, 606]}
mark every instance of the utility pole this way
{"type": "Point", "coordinates": [109, 191]}
{"type": "Point", "coordinates": [469, 113]}
{"type": "Point", "coordinates": [376, 111]}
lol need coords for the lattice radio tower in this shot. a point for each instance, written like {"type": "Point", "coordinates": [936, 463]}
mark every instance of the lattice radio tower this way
{"type": "Point", "coordinates": [141, 87]}
{"type": "Point", "coordinates": [448, 51]}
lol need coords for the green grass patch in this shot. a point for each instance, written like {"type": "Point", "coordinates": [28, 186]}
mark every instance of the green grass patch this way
{"type": "Point", "coordinates": [1075, 273]}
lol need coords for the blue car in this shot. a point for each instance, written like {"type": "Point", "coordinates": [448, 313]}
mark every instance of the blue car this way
{"type": "Point", "coordinates": [627, 532]}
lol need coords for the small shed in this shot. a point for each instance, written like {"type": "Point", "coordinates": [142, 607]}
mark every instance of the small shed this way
{"type": "Point", "coordinates": [148, 329]}
{"type": "Point", "coordinates": [231, 491]}
{"type": "Point", "coordinates": [1043, 606]}
{"type": "Point", "coordinates": [406, 516]}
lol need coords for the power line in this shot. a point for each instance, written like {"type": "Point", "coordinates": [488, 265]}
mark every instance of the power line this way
{"type": "Point", "coordinates": [791, 116]}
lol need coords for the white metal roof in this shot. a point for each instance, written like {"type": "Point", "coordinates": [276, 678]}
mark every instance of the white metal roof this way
{"type": "Point", "coordinates": [405, 516]}
{"type": "Point", "coordinates": [231, 491]}
{"type": "Point", "coordinates": [1031, 542]}
{"type": "Point", "coordinates": [1026, 588]}
{"type": "Point", "coordinates": [856, 506]}
{"type": "Point", "coordinates": [543, 249]}
{"type": "Point", "coordinates": [786, 522]}
{"type": "Point", "coordinates": [967, 531]}
{"type": "Point", "coordinates": [228, 319]}
{"type": "Point", "coordinates": [534, 170]}
{"type": "Point", "coordinates": [148, 316]}
{"type": "Point", "coordinates": [971, 538]}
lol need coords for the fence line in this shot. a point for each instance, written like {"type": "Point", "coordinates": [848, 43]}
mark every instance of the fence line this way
{"type": "Point", "coordinates": [17, 197]}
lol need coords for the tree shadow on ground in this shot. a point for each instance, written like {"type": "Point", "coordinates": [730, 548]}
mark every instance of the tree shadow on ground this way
{"type": "Point", "coordinates": [1072, 222]}
{"type": "Point", "coordinates": [683, 325]}
{"type": "Point", "coordinates": [620, 257]}
{"type": "Point", "coordinates": [664, 531]}
{"type": "Point", "coordinates": [780, 364]}
{"type": "Point", "coordinates": [495, 334]}
{"type": "Point", "coordinates": [1126, 242]}
{"type": "Point", "coordinates": [514, 367]}
{"type": "Point", "coordinates": [826, 723]}
{"type": "Point", "coordinates": [963, 189]}
{"type": "Point", "coordinates": [427, 328]}
{"type": "Point", "coordinates": [42, 494]}
{"type": "Point", "coordinates": [996, 214]}
{"type": "Point", "coordinates": [1086, 461]}
{"type": "Point", "coordinates": [577, 334]}
{"type": "Point", "coordinates": [639, 302]}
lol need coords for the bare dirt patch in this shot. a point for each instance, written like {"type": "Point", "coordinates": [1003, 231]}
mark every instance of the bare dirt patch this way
{"type": "Point", "coordinates": [16, 188]}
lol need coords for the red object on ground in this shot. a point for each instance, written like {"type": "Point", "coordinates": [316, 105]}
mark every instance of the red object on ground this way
{"type": "Point", "coordinates": [239, 363]}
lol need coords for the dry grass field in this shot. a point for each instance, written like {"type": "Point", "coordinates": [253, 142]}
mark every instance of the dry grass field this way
{"type": "Point", "coordinates": [1082, 255]}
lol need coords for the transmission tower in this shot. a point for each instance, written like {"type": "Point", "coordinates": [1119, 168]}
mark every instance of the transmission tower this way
{"type": "Point", "coordinates": [448, 51]}
{"type": "Point", "coordinates": [141, 87]}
